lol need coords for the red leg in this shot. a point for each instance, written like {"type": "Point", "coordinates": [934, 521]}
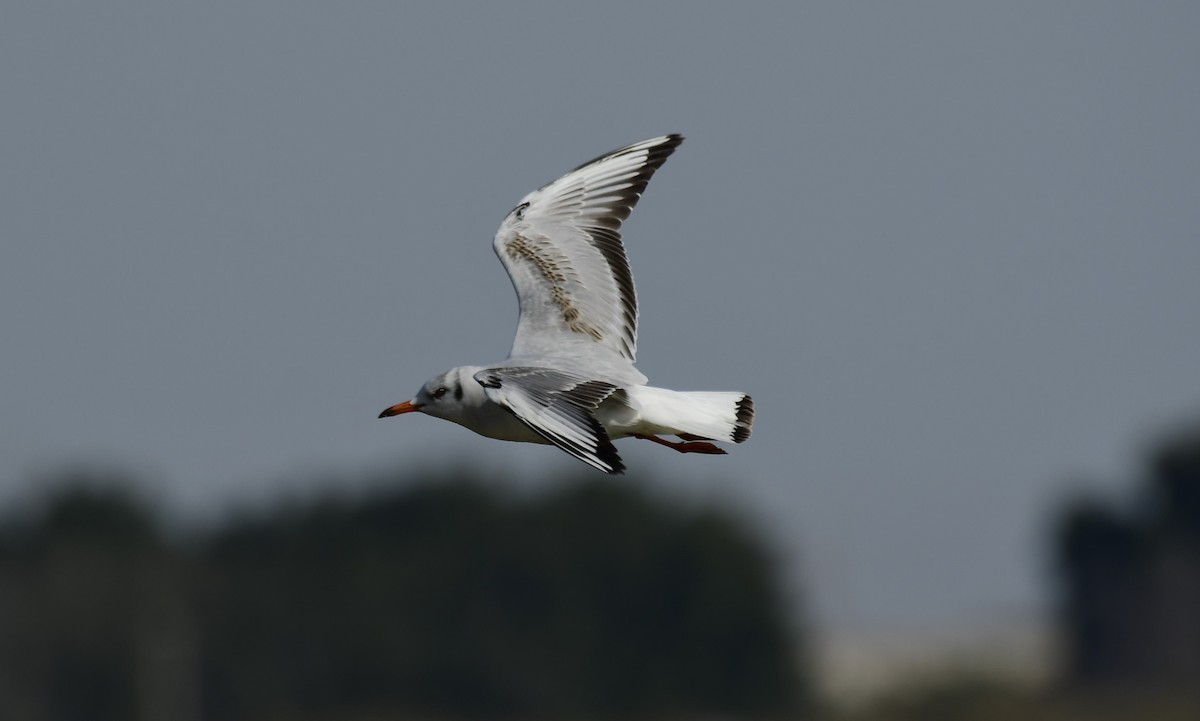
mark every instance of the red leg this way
{"type": "Point", "coordinates": [686, 447]}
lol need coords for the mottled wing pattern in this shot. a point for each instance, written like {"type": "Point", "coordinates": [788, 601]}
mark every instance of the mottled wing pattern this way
{"type": "Point", "coordinates": [562, 249]}
{"type": "Point", "coordinates": [559, 407]}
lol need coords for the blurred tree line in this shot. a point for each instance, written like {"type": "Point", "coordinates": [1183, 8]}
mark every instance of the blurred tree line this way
{"type": "Point", "coordinates": [440, 599]}
{"type": "Point", "coordinates": [1128, 589]}
{"type": "Point", "coordinates": [1131, 578]}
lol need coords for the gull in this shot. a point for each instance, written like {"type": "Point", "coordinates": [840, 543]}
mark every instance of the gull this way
{"type": "Point", "coordinates": [570, 379]}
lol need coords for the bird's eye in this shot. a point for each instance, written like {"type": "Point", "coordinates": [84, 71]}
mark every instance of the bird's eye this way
{"type": "Point", "coordinates": [441, 391]}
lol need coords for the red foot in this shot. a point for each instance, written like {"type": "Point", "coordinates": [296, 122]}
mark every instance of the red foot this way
{"type": "Point", "coordinates": [686, 447]}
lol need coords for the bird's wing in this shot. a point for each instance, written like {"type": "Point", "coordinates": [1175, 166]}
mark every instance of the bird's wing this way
{"type": "Point", "coordinates": [559, 407]}
{"type": "Point", "coordinates": [562, 249]}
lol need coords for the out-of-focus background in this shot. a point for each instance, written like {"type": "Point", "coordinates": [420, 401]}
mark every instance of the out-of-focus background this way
{"type": "Point", "coordinates": [950, 249]}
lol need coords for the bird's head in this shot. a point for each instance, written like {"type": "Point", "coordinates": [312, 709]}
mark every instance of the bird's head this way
{"type": "Point", "coordinates": [447, 396]}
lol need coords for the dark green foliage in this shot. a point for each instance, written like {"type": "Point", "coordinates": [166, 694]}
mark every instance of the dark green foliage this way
{"type": "Point", "coordinates": [1176, 472]}
{"type": "Point", "coordinates": [1131, 578]}
{"type": "Point", "coordinates": [72, 589]}
{"type": "Point", "coordinates": [446, 599]}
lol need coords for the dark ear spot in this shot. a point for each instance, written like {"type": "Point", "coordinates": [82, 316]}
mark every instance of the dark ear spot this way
{"type": "Point", "coordinates": [458, 391]}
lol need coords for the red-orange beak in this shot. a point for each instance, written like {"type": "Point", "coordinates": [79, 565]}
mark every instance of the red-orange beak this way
{"type": "Point", "coordinates": [405, 407]}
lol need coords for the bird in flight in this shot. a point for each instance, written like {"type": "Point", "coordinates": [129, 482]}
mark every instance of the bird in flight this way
{"type": "Point", "coordinates": [570, 379]}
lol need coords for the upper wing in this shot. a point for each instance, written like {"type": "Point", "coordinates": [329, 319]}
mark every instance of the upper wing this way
{"type": "Point", "coordinates": [559, 407]}
{"type": "Point", "coordinates": [562, 249]}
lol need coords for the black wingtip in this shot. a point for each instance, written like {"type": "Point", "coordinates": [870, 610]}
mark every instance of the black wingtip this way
{"type": "Point", "coordinates": [616, 467]}
{"type": "Point", "coordinates": [657, 155]}
{"type": "Point", "coordinates": [605, 451]}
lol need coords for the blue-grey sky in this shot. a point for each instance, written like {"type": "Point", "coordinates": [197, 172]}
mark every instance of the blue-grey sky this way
{"type": "Point", "coordinates": [951, 248]}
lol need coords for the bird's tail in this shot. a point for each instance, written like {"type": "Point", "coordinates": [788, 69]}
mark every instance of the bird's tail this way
{"type": "Point", "coordinates": [715, 416]}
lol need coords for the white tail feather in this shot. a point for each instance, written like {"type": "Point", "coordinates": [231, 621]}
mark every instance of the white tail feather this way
{"type": "Point", "coordinates": [718, 416]}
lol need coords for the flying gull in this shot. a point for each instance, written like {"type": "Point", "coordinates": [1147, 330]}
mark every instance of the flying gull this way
{"type": "Point", "coordinates": [570, 379]}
